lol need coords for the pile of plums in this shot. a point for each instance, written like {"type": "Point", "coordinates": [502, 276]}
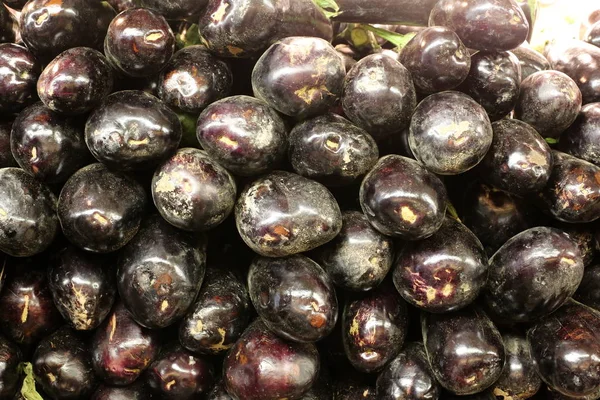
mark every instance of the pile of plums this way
{"type": "Point", "coordinates": [298, 200]}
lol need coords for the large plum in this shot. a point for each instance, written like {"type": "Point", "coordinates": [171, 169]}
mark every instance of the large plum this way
{"type": "Point", "coordinates": [20, 72]}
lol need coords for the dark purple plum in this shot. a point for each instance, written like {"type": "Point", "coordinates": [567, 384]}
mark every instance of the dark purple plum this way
{"type": "Point", "coordinates": [160, 272]}
{"type": "Point", "coordinates": [533, 274]}
{"type": "Point", "coordinates": [582, 138]}
{"type": "Point", "coordinates": [331, 150]}
{"type": "Point", "coordinates": [519, 379]}
{"type": "Point", "coordinates": [139, 43]}
{"type": "Point", "coordinates": [437, 59]}
{"type": "Point", "coordinates": [583, 236]}
{"type": "Point", "coordinates": [76, 81]}
{"type": "Point", "coordinates": [10, 358]}
{"type": "Point", "coordinates": [6, 157]}
{"type": "Point", "coordinates": [100, 210]}
{"type": "Point", "coordinates": [444, 272]}
{"type": "Point", "coordinates": [589, 290]}
{"type": "Point", "coordinates": [132, 130]}
{"type": "Point", "coordinates": [384, 11]}
{"type": "Point", "coordinates": [219, 316]}
{"type": "Point", "coordinates": [8, 25]}
{"type": "Point", "coordinates": [20, 72]}
{"type": "Point", "coordinates": [531, 61]}
{"type": "Point", "coordinates": [593, 34]}
{"type": "Point", "coordinates": [121, 349]}
{"type": "Point", "coordinates": [176, 9]}
{"type": "Point", "coordinates": [262, 366]}
{"type": "Point", "coordinates": [243, 134]}
{"type": "Point", "coordinates": [464, 349]}
{"type": "Point", "coordinates": [192, 192]}
{"type": "Point", "coordinates": [48, 146]}
{"type": "Point", "coordinates": [322, 389]}
{"type": "Point", "coordinates": [492, 25]}
{"type": "Point", "coordinates": [400, 198]}
{"type": "Point", "coordinates": [379, 96]}
{"type": "Point", "coordinates": [133, 392]}
{"type": "Point", "coordinates": [299, 76]}
{"type": "Point", "coordinates": [28, 222]}
{"type": "Point", "coordinates": [218, 392]}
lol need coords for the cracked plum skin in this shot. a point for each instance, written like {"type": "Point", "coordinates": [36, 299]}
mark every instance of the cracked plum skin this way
{"type": "Point", "coordinates": [400, 198]}
{"type": "Point", "coordinates": [20, 74]}
{"type": "Point", "coordinates": [10, 358]}
{"type": "Point", "coordinates": [519, 379]}
{"type": "Point", "coordinates": [282, 213]}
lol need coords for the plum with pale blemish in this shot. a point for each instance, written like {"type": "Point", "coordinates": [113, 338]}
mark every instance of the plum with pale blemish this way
{"type": "Point", "coordinates": [464, 348]}
{"type": "Point", "coordinates": [450, 133]}
{"type": "Point", "coordinates": [533, 274]}
{"type": "Point", "coordinates": [192, 192]}
{"type": "Point", "coordinates": [519, 378]}
{"type": "Point", "coordinates": [122, 349]}
{"type": "Point", "coordinates": [565, 347]}
{"type": "Point", "coordinates": [282, 213]}
{"type": "Point", "coordinates": [160, 272]}
{"type": "Point", "coordinates": [401, 198]}
{"type": "Point", "coordinates": [588, 291]}
{"type": "Point", "coordinates": [331, 150]}
{"type": "Point", "coordinates": [137, 391]}
{"type": "Point", "coordinates": [263, 366]}
{"type": "Point", "coordinates": [139, 42]}
{"type": "Point", "coordinates": [83, 287]}
{"type": "Point", "coordinates": [519, 160]}
{"type": "Point", "coordinates": [176, 9]}
{"type": "Point", "coordinates": [10, 359]}
{"type": "Point", "coordinates": [531, 61]}
{"type": "Point", "coordinates": [48, 146]}
{"type": "Point", "coordinates": [6, 157]}
{"type": "Point", "coordinates": [219, 316]}
{"type": "Point", "coordinates": [100, 210]}
{"type": "Point", "coordinates": [582, 138]}
{"type": "Point", "coordinates": [20, 72]}
{"type": "Point", "coordinates": [379, 96]}
{"type": "Point", "coordinates": [299, 76]}
{"type": "Point", "coordinates": [243, 134]}
{"type": "Point", "coordinates": [374, 326]}
{"type": "Point", "coordinates": [444, 272]}
{"type": "Point", "coordinates": [549, 101]}
{"type": "Point", "coordinates": [132, 130]}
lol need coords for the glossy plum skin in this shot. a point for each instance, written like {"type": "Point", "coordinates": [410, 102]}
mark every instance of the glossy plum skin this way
{"type": "Point", "coordinates": [243, 134]}
{"type": "Point", "coordinates": [331, 150]}
{"type": "Point", "coordinates": [48, 146]}
{"type": "Point", "coordinates": [573, 329]}
{"type": "Point", "coordinates": [402, 199]}
{"type": "Point", "coordinates": [483, 24]}
{"type": "Point", "coordinates": [299, 76]}
{"type": "Point", "coordinates": [582, 137]}
{"type": "Point", "coordinates": [10, 358]}
{"type": "Point", "coordinates": [593, 35]}
{"type": "Point", "coordinates": [132, 130]}
{"type": "Point", "coordinates": [28, 222]}
{"type": "Point", "coordinates": [464, 348]}
{"type": "Point", "coordinates": [220, 315]}
{"type": "Point", "coordinates": [588, 291]}
{"type": "Point", "coordinates": [533, 274]}
{"type": "Point", "coordinates": [379, 95]}
{"type": "Point", "coordinates": [20, 74]}
{"type": "Point", "coordinates": [262, 366]}
{"type": "Point", "coordinates": [6, 157]}
{"type": "Point", "coordinates": [132, 392]}
{"type": "Point", "coordinates": [444, 272]}
{"type": "Point", "coordinates": [531, 61]}
{"type": "Point", "coordinates": [192, 192]}
{"type": "Point", "coordinates": [121, 349]}
{"type": "Point", "coordinates": [519, 379]}
{"type": "Point", "coordinates": [176, 9]}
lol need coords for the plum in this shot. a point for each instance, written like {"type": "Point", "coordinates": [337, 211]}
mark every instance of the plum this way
{"type": "Point", "coordinates": [20, 72]}
{"type": "Point", "coordinates": [582, 137]}
{"type": "Point", "coordinates": [519, 379]}
{"type": "Point", "coordinates": [176, 9]}
{"type": "Point", "coordinates": [588, 291]}
{"type": "Point", "coordinates": [10, 358]}
{"type": "Point", "coordinates": [593, 35]}
{"type": "Point", "coordinates": [218, 392]}
{"type": "Point", "coordinates": [583, 236]}
{"type": "Point", "coordinates": [132, 392]}
{"type": "Point", "coordinates": [384, 11]}
{"type": "Point", "coordinates": [531, 61]}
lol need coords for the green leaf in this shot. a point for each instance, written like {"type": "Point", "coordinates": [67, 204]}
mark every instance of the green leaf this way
{"type": "Point", "coordinates": [188, 127]}
{"type": "Point", "coordinates": [452, 211]}
{"type": "Point", "coordinates": [397, 39]}
{"type": "Point", "coordinates": [533, 8]}
{"type": "Point", "coordinates": [28, 389]}
{"type": "Point", "coordinates": [550, 140]}
{"type": "Point", "coordinates": [329, 7]}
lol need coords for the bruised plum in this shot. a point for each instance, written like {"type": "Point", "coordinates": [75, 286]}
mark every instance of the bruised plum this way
{"type": "Point", "coordinates": [533, 274]}
{"type": "Point", "coordinates": [20, 71]}
{"type": "Point", "coordinates": [464, 348]}
{"type": "Point", "coordinates": [10, 358]}
{"type": "Point", "coordinates": [588, 291]}
{"type": "Point", "coordinates": [262, 366]}
{"type": "Point", "coordinates": [519, 379]}
{"type": "Point", "coordinates": [6, 157]}
{"type": "Point", "coordinates": [531, 61]}
{"type": "Point", "coordinates": [582, 138]}
{"type": "Point", "coordinates": [132, 392]}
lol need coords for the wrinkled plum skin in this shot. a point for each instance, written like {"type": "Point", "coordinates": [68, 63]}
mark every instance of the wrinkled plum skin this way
{"type": "Point", "coordinates": [176, 9]}
{"type": "Point", "coordinates": [494, 81]}
{"type": "Point", "coordinates": [400, 198]}
{"type": "Point", "coordinates": [519, 377]}
{"type": "Point", "coordinates": [133, 392]}
{"type": "Point", "coordinates": [6, 157]}
{"type": "Point", "coordinates": [18, 81]}
{"type": "Point", "coordinates": [589, 291]}
{"type": "Point", "coordinates": [531, 61]}
{"type": "Point", "coordinates": [62, 366]}
{"type": "Point", "coordinates": [262, 366]}
{"type": "Point", "coordinates": [243, 134]}
{"type": "Point", "coordinates": [7, 26]}
{"type": "Point", "coordinates": [374, 327]}
{"type": "Point", "coordinates": [48, 146]}
{"type": "Point", "coordinates": [519, 160]}
{"type": "Point", "coordinates": [465, 349]}
{"type": "Point", "coordinates": [359, 257]}
{"type": "Point", "coordinates": [283, 213]}
{"type": "Point", "coordinates": [29, 222]}
{"type": "Point", "coordinates": [573, 329]}
{"type": "Point", "coordinates": [160, 272]}
{"type": "Point", "coordinates": [294, 297]}
{"type": "Point", "coordinates": [582, 138]}
{"type": "Point", "coordinates": [299, 76]}
{"type": "Point", "coordinates": [122, 349]}
{"type": "Point", "coordinates": [493, 25]}
{"type": "Point", "coordinates": [10, 357]}
{"type": "Point", "coordinates": [379, 95]}
{"type": "Point", "coordinates": [192, 192]}
{"type": "Point", "coordinates": [450, 133]}
{"type": "Point", "coordinates": [83, 287]}
{"type": "Point", "coordinates": [132, 130]}
{"type": "Point", "coordinates": [60, 87]}
{"type": "Point", "coordinates": [139, 43]}
{"type": "Point", "coordinates": [100, 210]}
{"type": "Point", "coordinates": [331, 150]}
{"type": "Point", "coordinates": [533, 274]}
{"type": "Point", "coordinates": [219, 316]}
{"type": "Point", "coordinates": [444, 272]}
